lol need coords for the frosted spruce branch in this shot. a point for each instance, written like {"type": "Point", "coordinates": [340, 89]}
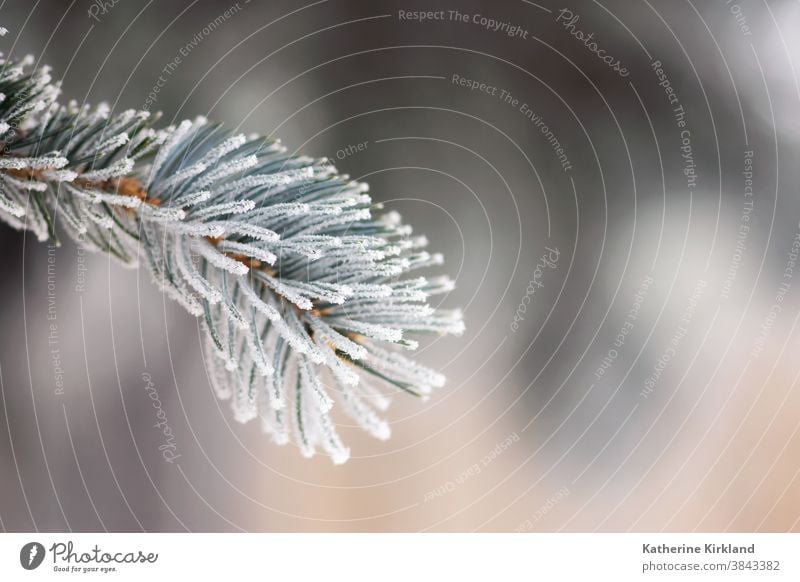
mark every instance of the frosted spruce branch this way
{"type": "Point", "coordinates": [303, 295]}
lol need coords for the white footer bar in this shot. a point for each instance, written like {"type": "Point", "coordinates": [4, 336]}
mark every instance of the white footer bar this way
{"type": "Point", "coordinates": [401, 557]}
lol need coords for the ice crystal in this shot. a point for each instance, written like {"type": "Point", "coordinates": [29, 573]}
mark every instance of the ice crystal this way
{"type": "Point", "coordinates": [301, 291]}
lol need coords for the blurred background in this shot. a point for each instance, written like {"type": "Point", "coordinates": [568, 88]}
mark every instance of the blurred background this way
{"type": "Point", "coordinates": [616, 191]}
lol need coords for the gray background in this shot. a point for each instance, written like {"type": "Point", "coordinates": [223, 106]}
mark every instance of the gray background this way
{"type": "Point", "coordinates": [714, 447]}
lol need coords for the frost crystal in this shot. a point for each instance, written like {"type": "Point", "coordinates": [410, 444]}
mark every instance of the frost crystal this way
{"type": "Point", "coordinates": [301, 292]}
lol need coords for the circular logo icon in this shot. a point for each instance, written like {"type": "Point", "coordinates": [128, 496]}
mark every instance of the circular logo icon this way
{"type": "Point", "coordinates": [31, 555]}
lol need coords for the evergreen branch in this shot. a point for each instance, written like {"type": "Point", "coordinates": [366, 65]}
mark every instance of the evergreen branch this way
{"type": "Point", "coordinates": [299, 289]}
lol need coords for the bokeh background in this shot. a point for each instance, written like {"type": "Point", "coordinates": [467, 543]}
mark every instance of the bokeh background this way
{"type": "Point", "coordinates": [688, 422]}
